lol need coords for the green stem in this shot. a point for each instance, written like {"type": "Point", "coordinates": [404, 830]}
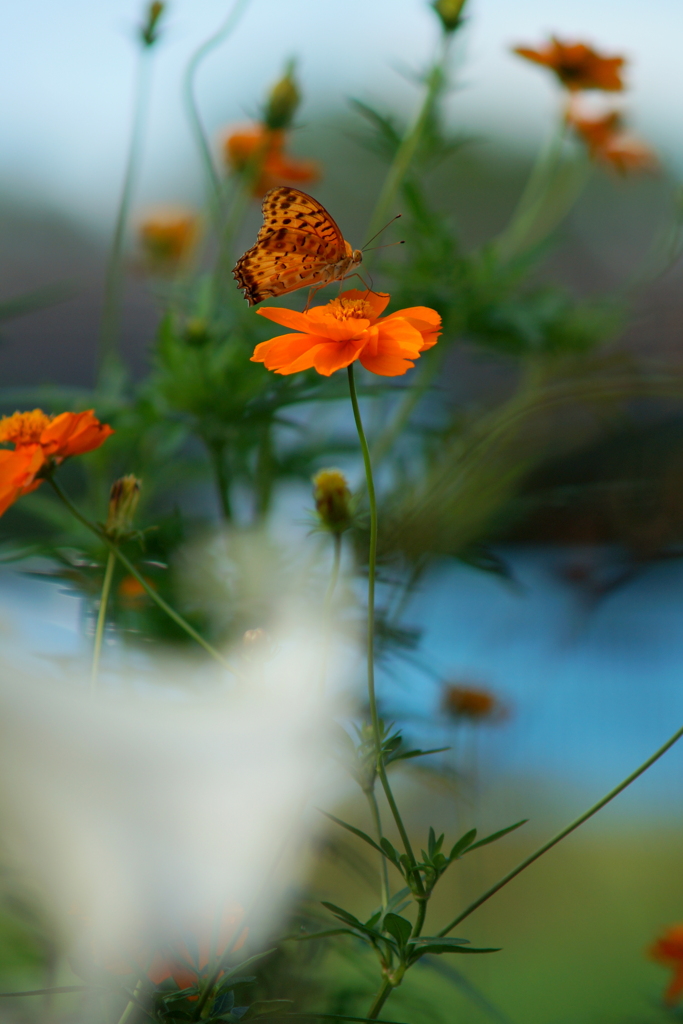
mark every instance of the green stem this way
{"type": "Point", "coordinates": [420, 919]}
{"type": "Point", "coordinates": [408, 147]}
{"type": "Point", "coordinates": [201, 138]}
{"type": "Point", "coordinates": [131, 1005]}
{"type": "Point", "coordinates": [101, 619]}
{"type": "Point", "coordinates": [114, 276]}
{"type": "Point", "coordinates": [217, 453]}
{"type": "Point", "coordinates": [172, 614]}
{"type": "Point", "coordinates": [565, 832]}
{"type": "Point", "coordinates": [383, 867]}
{"type": "Point", "coordinates": [380, 999]}
{"type": "Point", "coordinates": [334, 574]}
{"type": "Point", "coordinates": [372, 698]}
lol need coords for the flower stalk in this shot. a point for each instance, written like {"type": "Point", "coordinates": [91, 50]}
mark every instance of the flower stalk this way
{"type": "Point", "coordinates": [101, 620]}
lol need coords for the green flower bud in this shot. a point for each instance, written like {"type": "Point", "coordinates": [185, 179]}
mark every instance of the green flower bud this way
{"type": "Point", "coordinates": [332, 500]}
{"type": "Point", "coordinates": [283, 100]}
{"type": "Point", "coordinates": [450, 13]}
{"type": "Point", "coordinates": [148, 30]}
{"type": "Point", "coordinates": [123, 501]}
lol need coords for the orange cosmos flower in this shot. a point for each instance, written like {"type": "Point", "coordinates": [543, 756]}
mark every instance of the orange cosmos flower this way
{"type": "Point", "coordinates": [349, 328]}
{"type": "Point", "coordinates": [668, 950]}
{"type": "Point", "coordinates": [42, 442]}
{"type": "Point", "coordinates": [168, 235]}
{"type": "Point", "coordinates": [609, 143]}
{"type": "Point", "coordinates": [179, 963]}
{"type": "Point", "coordinates": [470, 702]}
{"type": "Point", "coordinates": [261, 148]}
{"type": "Point", "coordinates": [577, 65]}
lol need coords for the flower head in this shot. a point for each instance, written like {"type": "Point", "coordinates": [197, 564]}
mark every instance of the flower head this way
{"type": "Point", "coordinates": [577, 65]}
{"type": "Point", "coordinates": [332, 499]}
{"type": "Point", "coordinates": [609, 143]}
{"type": "Point", "coordinates": [283, 100]}
{"type": "Point", "coordinates": [346, 329]}
{"type": "Point", "coordinates": [260, 151]}
{"type": "Point", "coordinates": [42, 442]}
{"type": "Point", "coordinates": [450, 13]}
{"type": "Point", "coordinates": [469, 702]}
{"type": "Point", "coordinates": [168, 236]}
{"type": "Point", "coordinates": [123, 501]}
{"type": "Point", "coordinates": [668, 951]}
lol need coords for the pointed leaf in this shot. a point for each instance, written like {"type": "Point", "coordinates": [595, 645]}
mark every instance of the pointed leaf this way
{"type": "Point", "coordinates": [389, 851]}
{"type": "Point", "coordinates": [399, 927]}
{"type": "Point", "coordinates": [439, 948]}
{"type": "Point", "coordinates": [462, 844]}
{"type": "Point", "coordinates": [356, 831]}
{"type": "Point", "coordinates": [497, 835]}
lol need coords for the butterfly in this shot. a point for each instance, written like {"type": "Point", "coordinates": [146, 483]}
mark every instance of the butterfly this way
{"type": "Point", "coordinates": [298, 246]}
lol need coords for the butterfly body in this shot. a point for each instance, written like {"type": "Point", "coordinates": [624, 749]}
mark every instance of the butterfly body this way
{"type": "Point", "coordinates": [298, 246]}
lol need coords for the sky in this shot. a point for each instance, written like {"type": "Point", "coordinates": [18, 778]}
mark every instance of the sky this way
{"type": "Point", "coordinates": [66, 74]}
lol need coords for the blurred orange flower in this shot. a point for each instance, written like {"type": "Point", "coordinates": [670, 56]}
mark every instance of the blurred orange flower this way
{"type": "Point", "coordinates": [346, 329]}
{"type": "Point", "coordinates": [168, 235]}
{"type": "Point", "coordinates": [609, 143]}
{"type": "Point", "coordinates": [470, 702]}
{"type": "Point", "coordinates": [131, 590]}
{"type": "Point", "coordinates": [41, 443]}
{"type": "Point", "coordinates": [178, 962]}
{"type": "Point", "coordinates": [668, 950]}
{"type": "Point", "coordinates": [260, 149]}
{"type": "Point", "coordinates": [577, 65]}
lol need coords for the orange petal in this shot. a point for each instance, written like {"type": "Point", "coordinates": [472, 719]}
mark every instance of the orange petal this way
{"type": "Point", "coordinates": [329, 358]}
{"type": "Point", "coordinates": [284, 349]}
{"type": "Point", "coordinates": [398, 336]}
{"type": "Point", "coordinates": [74, 433]}
{"type": "Point", "coordinates": [327, 325]}
{"type": "Point", "coordinates": [18, 469]}
{"type": "Point", "coordinates": [286, 317]}
{"type": "Point", "coordinates": [386, 365]}
{"type": "Point", "coordinates": [675, 987]}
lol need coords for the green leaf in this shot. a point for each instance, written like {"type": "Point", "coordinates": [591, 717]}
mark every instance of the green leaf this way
{"type": "Point", "coordinates": [462, 844]}
{"type": "Point", "coordinates": [416, 753]}
{"type": "Point", "coordinates": [247, 963]}
{"type": "Point", "coordinates": [389, 851]}
{"type": "Point", "coordinates": [440, 947]}
{"type": "Point", "coordinates": [344, 915]}
{"type": "Point", "coordinates": [356, 831]}
{"type": "Point", "coordinates": [497, 835]}
{"type": "Point", "coordinates": [399, 927]}
{"type": "Point", "coordinates": [318, 935]}
{"type": "Point", "coordinates": [265, 1007]}
{"type": "Point", "coordinates": [397, 898]}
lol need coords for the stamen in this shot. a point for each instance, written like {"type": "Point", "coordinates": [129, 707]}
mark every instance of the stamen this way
{"type": "Point", "coordinates": [350, 309]}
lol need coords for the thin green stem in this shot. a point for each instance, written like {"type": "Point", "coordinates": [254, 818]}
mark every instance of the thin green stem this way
{"type": "Point", "coordinates": [383, 866]}
{"type": "Point", "coordinates": [565, 832]}
{"type": "Point", "coordinates": [380, 999]}
{"type": "Point", "coordinates": [114, 277]}
{"type": "Point", "coordinates": [158, 600]}
{"type": "Point", "coordinates": [420, 919]}
{"type": "Point", "coordinates": [217, 453]}
{"type": "Point", "coordinates": [236, 11]}
{"type": "Point", "coordinates": [101, 619]}
{"type": "Point", "coordinates": [131, 1005]}
{"type": "Point", "coordinates": [408, 147]}
{"type": "Point", "coordinates": [372, 697]}
{"type": "Point", "coordinates": [334, 574]}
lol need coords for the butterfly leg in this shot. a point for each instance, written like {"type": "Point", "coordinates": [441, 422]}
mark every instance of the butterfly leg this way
{"type": "Point", "coordinates": [311, 293]}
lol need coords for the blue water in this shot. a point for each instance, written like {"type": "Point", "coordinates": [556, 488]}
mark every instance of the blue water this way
{"type": "Point", "coordinates": [592, 687]}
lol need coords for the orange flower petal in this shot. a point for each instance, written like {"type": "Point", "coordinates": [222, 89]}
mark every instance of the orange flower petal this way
{"type": "Point", "coordinates": [336, 356]}
{"type": "Point", "coordinates": [286, 318]}
{"type": "Point", "coordinates": [385, 364]}
{"type": "Point", "coordinates": [74, 433]}
{"type": "Point", "coordinates": [675, 987]}
{"type": "Point", "coordinates": [285, 349]}
{"type": "Point", "coordinates": [18, 469]}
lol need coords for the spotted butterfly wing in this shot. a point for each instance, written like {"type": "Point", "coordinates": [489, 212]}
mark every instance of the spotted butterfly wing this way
{"type": "Point", "coordinates": [298, 246]}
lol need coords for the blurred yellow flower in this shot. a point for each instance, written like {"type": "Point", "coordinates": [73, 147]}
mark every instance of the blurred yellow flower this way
{"type": "Point", "coordinates": [168, 236]}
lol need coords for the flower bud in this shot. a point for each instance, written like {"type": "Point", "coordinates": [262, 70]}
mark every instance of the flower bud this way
{"type": "Point", "coordinates": [283, 100]}
{"type": "Point", "coordinates": [197, 332]}
{"type": "Point", "coordinates": [450, 13]}
{"type": "Point", "coordinates": [123, 501]}
{"type": "Point", "coordinates": [332, 500]}
{"type": "Point", "coordinates": [148, 30]}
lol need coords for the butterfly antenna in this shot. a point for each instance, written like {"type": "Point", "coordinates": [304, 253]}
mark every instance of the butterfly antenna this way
{"type": "Point", "coordinates": [387, 246]}
{"type": "Point", "coordinates": [380, 231]}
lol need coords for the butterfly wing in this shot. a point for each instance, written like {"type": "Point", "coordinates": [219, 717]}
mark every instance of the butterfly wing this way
{"type": "Point", "coordinates": [297, 244]}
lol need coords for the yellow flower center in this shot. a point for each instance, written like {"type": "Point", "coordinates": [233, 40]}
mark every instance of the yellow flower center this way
{"type": "Point", "coordinates": [24, 427]}
{"type": "Point", "coordinates": [350, 309]}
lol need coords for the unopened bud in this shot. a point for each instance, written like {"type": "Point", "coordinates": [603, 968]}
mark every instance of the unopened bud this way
{"type": "Point", "coordinates": [148, 30]}
{"type": "Point", "coordinates": [123, 501]}
{"type": "Point", "coordinates": [196, 332]}
{"type": "Point", "coordinates": [283, 100]}
{"type": "Point", "coordinates": [450, 13]}
{"type": "Point", "coordinates": [332, 499]}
